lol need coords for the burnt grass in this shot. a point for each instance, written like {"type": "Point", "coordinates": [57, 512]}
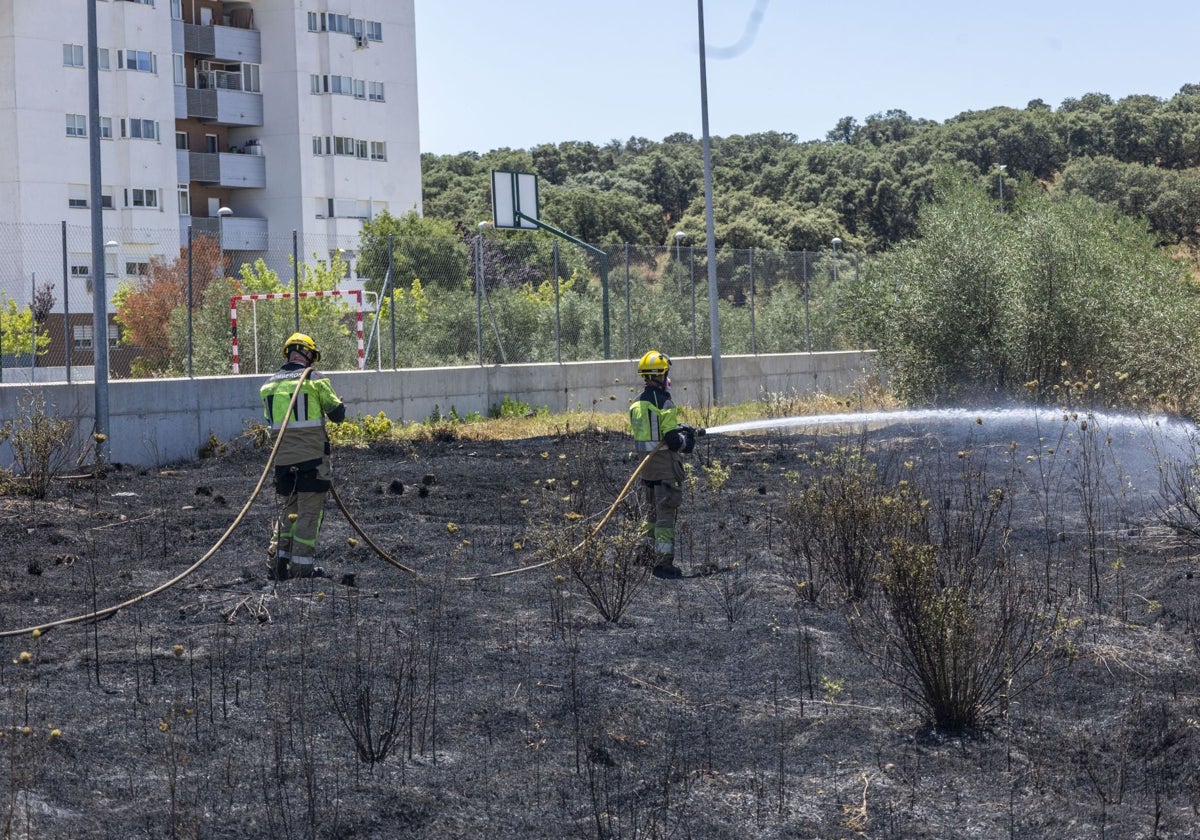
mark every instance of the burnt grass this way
{"type": "Point", "coordinates": [371, 703]}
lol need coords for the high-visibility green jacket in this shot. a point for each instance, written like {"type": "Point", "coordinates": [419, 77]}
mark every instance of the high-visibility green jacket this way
{"type": "Point", "coordinates": [305, 441]}
{"type": "Point", "coordinates": [651, 416]}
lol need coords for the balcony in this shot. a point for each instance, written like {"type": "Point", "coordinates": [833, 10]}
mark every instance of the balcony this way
{"type": "Point", "coordinates": [228, 169]}
{"type": "Point", "coordinates": [233, 233]}
{"type": "Point", "coordinates": [225, 43]}
{"type": "Point", "coordinates": [219, 98]}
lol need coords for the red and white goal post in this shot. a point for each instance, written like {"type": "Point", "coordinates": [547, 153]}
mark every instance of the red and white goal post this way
{"type": "Point", "coordinates": [358, 316]}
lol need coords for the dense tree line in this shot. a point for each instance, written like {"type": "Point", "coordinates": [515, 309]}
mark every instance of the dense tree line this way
{"type": "Point", "coordinates": [864, 182]}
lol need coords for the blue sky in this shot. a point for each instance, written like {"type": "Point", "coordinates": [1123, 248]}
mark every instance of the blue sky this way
{"type": "Point", "coordinates": [518, 74]}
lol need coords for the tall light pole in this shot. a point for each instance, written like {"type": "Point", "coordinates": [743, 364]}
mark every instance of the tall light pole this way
{"type": "Point", "coordinates": [222, 214]}
{"type": "Point", "coordinates": [709, 231]}
{"type": "Point", "coordinates": [835, 242]}
{"type": "Point", "coordinates": [95, 210]}
{"type": "Point", "coordinates": [1000, 167]}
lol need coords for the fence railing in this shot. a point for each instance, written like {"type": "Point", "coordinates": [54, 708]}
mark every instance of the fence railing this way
{"type": "Point", "coordinates": [489, 298]}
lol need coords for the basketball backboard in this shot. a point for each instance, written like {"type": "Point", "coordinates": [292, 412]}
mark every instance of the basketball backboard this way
{"type": "Point", "coordinates": [514, 195]}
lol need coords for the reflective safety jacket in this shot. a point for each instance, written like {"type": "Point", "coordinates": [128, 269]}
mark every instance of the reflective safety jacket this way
{"type": "Point", "coordinates": [304, 442]}
{"type": "Point", "coordinates": [651, 416]}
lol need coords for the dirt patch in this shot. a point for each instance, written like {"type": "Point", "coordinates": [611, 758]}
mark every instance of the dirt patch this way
{"type": "Point", "coordinates": [719, 706]}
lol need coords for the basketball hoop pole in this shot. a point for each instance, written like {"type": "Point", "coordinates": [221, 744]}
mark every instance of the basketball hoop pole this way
{"type": "Point", "coordinates": [591, 249]}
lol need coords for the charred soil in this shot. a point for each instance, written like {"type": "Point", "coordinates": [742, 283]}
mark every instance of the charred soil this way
{"type": "Point", "coordinates": [466, 703]}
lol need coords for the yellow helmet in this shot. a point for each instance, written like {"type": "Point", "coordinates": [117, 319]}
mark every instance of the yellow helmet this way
{"type": "Point", "coordinates": [654, 363]}
{"type": "Point", "coordinates": [300, 341]}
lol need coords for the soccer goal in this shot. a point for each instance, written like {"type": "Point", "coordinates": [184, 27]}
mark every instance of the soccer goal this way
{"type": "Point", "coordinates": [254, 300]}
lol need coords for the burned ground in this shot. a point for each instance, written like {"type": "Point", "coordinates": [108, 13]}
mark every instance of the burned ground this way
{"type": "Point", "coordinates": [721, 706]}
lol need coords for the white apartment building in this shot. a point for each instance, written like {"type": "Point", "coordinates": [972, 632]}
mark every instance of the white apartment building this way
{"type": "Point", "coordinates": [295, 118]}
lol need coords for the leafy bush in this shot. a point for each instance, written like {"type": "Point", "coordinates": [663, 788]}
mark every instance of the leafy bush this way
{"type": "Point", "coordinates": [40, 443]}
{"type": "Point", "coordinates": [983, 303]}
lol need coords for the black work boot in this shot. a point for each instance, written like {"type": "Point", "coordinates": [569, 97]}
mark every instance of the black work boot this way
{"type": "Point", "coordinates": [666, 569]}
{"type": "Point", "coordinates": [277, 569]}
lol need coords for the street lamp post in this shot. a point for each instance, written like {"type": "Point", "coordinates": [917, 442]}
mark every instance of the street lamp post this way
{"type": "Point", "coordinates": [222, 214]}
{"type": "Point", "coordinates": [1000, 167]}
{"type": "Point", "coordinates": [835, 242]}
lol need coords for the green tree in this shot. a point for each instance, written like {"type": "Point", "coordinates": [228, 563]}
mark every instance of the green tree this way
{"type": "Point", "coordinates": [987, 303]}
{"type": "Point", "coordinates": [18, 330]}
{"type": "Point", "coordinates": [427, 249]}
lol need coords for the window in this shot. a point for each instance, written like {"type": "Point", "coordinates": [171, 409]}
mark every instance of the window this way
{"type": "Point", "coordinates": [375, 91]}
{"type": "Point", "coordinates": [343, 145]}
{"type": "Point", "coordinates": [176, 9]}
{"type": "Point", "coordinates": [360, 89]}
{"type": "Point", "coordinates": [341, 84]}
{"type": "Point", "coordinates": [81, 336]}
{"type": "Point", "coordinates": [77, 195]}
{"type": "Point", "coordinates": [106, 128]}
{"type": "Point", "coordinates": [106, 201]}
{"type": "Point", "coordinates": [185, 201]}
{"type": "Point", "coordinates": [314, 82]}
{"type": "Point", "coordinates": [313, 23]}
{"type": "Point", "coordinates": [137, 197]}
{"type": "Point", "coordinates": [337, 23]}
{"type": "Point", "coordinates": [137, 269]}
{"type": "Point", "coordinates": [318, 146]}
{"type": "Point", "coordinates": [102, 60]}
{"type": "Point", "coordinates": [360, 149]}
{"type": "Point", "coordinates": [374, 30]}
{"type": "Point", "coordinates": [181, 140]}
{"type": "Point", "coordinates": [378, 150]}
{"type": "Point", "coordinates": [250, 78]}
{"type": "Point", "coordinates": [139, 129]}
{"type": "Point", "coordinates": [81, 270]}
{"type": "Point", "coordinates": [72, 55]}
{"type": "Point", "coordinates": [76, 125]}
{"type": "Point", "coordinates": [140, 60]}
{"type": "Point", "coordinates": [177, 70]}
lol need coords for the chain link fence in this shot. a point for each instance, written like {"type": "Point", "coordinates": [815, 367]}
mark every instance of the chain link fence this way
{"type": "Point", "coordinates": [220, 296]}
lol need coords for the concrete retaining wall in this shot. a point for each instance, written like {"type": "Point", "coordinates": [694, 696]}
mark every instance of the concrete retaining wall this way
{"type": "Point", "coordinates": [161, 421]}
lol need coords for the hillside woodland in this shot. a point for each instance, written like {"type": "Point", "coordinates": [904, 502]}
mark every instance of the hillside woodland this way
{"type": "Point", "coordinates": [865, 182]}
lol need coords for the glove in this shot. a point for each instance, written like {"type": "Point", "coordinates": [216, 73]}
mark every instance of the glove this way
{"type": "Point", "coordinates": [687, 438]}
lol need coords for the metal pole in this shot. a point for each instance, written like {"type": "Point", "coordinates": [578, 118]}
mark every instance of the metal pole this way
{"type": "Point", "coordinates": [804, 281]}
{"type": "Point", "coordinates": [692, 284]}
{"type": "Point", "coordinates": [709, 227]}
{"type": "Point", "coordinates": [557, 309]}
{"type": "Point", "coordinates": [33, 325]}
{"type": "Point", "coordinates": [392, 296]}
{"type": "Point", "coordinates": [296, 276]}
{"type": "Point", "coordinates": [66, 303]}
{"type": "Point", "coordinates": [753, 337]}
{"type": "Point", "coordinates": [479, 294]}
{"type": "Point", "coordinates": [100, 297]}
{"type": "Point", "coordinates": [628, 309]}
{"type": "Point", "coordinates": [189, 302]}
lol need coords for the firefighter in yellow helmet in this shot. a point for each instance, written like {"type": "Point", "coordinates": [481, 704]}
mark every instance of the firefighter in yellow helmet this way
{"type": "Point", "coordinates": [303, 473]}
{"type": "Point", "coordinates": [655, 420]}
